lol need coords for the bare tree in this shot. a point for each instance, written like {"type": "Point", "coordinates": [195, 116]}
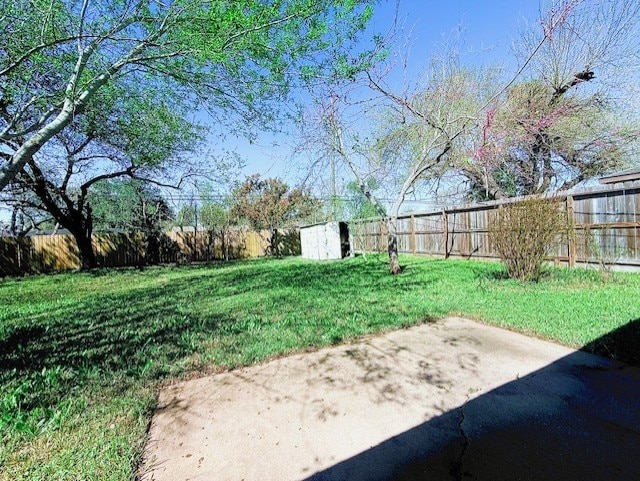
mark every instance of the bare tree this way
{"type": "Point", "coordinates": [423, 132]}
{"type": "Point", "coordinates": [571, 115]}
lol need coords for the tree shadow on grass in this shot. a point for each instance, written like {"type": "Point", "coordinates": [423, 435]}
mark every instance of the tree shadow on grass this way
{"type": "Point", "coordinates": [499, 275]}
{"type": "Point", "coordinates": [123, 338]}
{"type": "Point", "coordinates": [135, 332]}
{"type": "Point", "coordinates": [328, 276]}
{"type": "Point", "coordinates": [120, 333]}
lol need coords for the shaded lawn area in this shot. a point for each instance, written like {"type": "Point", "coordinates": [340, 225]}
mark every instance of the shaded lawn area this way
{"type": "Point", "coordinates": [81, 353]}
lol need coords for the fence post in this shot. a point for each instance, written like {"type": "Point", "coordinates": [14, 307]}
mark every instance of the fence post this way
{"type": "Point", "coordinates": [572, 232]}
{"type": "Point", "coordinates": [412, 240]}
{"type": "Point", "coordinates": [19, 252]}
{"type": "Point", "coordinates": [445, 233]}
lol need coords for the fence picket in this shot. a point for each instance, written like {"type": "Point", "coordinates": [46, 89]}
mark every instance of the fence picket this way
{"type": "Point", "coordinates": [606, 225]}
{"type": "Point", "coordinates": [46, 253]}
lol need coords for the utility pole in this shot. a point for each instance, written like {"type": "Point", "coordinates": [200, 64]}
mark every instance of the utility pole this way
{"type": "Point", "coordinates": [334, 188]}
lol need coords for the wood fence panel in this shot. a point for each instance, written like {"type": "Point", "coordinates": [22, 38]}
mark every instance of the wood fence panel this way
{"type": "Point", "coordinates": [460, 234]}
{"type": "Point", "coordinates": [15, 254]}
{"type": "Point", "coordinates": [424, 232]}
{"type": "Point", "coordinates": [254, 244]}
{"type": "Point", "coordinates": [606, 226]}
{"type": "Point", "coordinates": [429, 238]}
{"type": "Point", "coordinates": [404, 227]}
{"type": "Point", "coordinates": [47, 253]}
{"type": "Point", "coordinates": [54, 253]}
{"type": "Point", "coordinates": [482, 237]}
{"type": "Point", "coordinates": [119, 249]}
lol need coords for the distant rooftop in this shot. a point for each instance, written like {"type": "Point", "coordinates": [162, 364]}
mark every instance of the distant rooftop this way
{"type": "Point", "coordinates": [622, 176]}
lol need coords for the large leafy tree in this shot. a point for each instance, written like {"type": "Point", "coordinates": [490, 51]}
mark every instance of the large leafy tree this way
{"type": "Point", "coordinates": [537, 141]}
{"type": "Point", "coordinates": [135, 135]}
{"type": "Point", "coordinates": [130, 205]}
{"type": "Point", "coordinates": [216, 218]}
{"type": "Point", "coordinates": [269, 204]}
{"type": "Point", "coordinates": [356, 205]}
{"type": "Point", "coordinates": [233, 58]}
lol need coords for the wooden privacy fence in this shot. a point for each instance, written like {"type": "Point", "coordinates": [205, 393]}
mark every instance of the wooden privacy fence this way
{"type": "Point", "coordinates": [47, 253]}
{"type": "Point", "coordinates": [605, 222]}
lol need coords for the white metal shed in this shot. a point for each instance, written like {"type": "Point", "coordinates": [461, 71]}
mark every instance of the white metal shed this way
{"type": "Point", "coordinates": [329, 240]}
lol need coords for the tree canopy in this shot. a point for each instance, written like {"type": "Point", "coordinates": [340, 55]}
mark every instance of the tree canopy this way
{"type": "Point", "coordinates": [135, 136]}
{"type": "Point", "coordinates": [536, 142]}
{"type": "Point", "coordinates": [130, 205]}
{"type": "Point", "coordinates": [548, 125]}
{"type": "Point", "coordinates": [234, 59]}
{"type": "Point", "coordinates": [571, 115]}
{"type": "Point", "coordinates": [269, 204]}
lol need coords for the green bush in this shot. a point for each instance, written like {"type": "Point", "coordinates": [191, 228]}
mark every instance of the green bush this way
{"type": "Point", "coordinates": [522, 233]}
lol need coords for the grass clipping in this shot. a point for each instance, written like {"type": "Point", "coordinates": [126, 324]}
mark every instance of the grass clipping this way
{"type": "Point", "coordinates": [523, 233]}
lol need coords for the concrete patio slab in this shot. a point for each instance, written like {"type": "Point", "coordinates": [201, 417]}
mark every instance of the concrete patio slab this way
{"type": "Point", "coordinates": [453, 399]}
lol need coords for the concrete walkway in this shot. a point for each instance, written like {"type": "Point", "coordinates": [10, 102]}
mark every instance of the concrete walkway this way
{"type": "Point", "coordinates": [449, 400]}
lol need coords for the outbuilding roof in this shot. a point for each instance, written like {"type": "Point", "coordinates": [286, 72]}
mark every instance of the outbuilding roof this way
{"type": "Point", "coordinates": [622, 176]}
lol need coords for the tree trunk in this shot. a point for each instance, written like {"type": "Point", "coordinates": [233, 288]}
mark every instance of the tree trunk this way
{"type": "Point", "coordinates": [85, 249]}
{"type": "Point", "coordinates": [275, 248]}
{"type": "Point", "coordinates": [82, 229]}
{"type": "Point", "coordinates": [225, 244]}
{"type": "Point", "coordinates": [394, 262]}
{"type": "Point", "coordinates": [152, 251]}
{"type": "Point", "coordinates": [10, 169]}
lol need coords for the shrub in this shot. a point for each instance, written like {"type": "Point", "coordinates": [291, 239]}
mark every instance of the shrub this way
{"type": "Point", "coordinates": [602, 247]}
{"type": "Point", "coordinates": [522, 234]}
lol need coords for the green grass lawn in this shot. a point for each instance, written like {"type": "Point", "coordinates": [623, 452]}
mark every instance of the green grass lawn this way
{"type": "Point", "coordinates": [81, 354]}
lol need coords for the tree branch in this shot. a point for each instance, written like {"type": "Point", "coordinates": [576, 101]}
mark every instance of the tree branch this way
{"type": "Point", "coordinates": [33, 50]}
{"type": "Point", "coordinates": [264, 26]}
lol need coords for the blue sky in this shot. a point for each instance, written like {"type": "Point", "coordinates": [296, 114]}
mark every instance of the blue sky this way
{"type": "Point", "coordinates": [487, 29]}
